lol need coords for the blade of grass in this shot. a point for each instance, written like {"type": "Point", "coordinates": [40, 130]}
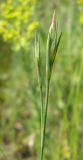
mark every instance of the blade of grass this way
{"type": "Point", "coordinates": [38, 60]}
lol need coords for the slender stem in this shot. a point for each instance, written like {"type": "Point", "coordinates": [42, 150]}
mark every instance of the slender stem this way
{"type": "Point", "coordinates": [41, 100]}
{"type": "Point", "coordinates": [41, 97]}
{"type": "Point", "coordinates": [45, 120]}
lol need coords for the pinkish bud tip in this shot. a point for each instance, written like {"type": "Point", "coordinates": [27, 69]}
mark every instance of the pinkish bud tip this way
{"type": "Point", "coordinates": [53, 23]}
{"type": "Point", "coordinates": [53, 19]}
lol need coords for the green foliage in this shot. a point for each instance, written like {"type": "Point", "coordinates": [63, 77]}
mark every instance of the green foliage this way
{"type": "Point", "coordinates": [16, 22]}
{"type": "Point", "coordinates": [19, 92]}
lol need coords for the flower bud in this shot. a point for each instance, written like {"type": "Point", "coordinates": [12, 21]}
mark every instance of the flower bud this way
{"type": "Point", "coordinates": [53, 41]}
{"type": "Point", "coordinates": [53, 23]}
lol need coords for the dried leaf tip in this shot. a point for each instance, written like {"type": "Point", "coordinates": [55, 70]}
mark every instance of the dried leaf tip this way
{"type": "Point", "coordinates": [54, 19]}
{"type": "Point", "coordinates": [53, 23]}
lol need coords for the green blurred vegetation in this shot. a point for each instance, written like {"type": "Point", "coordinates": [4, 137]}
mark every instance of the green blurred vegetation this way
{"type": "Point", "coordinates": [19, 91]}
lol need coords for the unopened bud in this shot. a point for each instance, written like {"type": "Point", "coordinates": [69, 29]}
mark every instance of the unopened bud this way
{"type": "Point", "coordinates": [53, 23]}
{"type": "Point", "coordinates": [53, 42]}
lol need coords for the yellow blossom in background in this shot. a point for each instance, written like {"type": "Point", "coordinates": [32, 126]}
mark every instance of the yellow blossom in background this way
{"type": "Point", "coordinates": [10, 2]}
{"type": "Point", "coordinates": [81, 19]}
{"type": "Point", "coordinates": [66, 151]}
{"type": "Point", "coordinates": [10, 35]}
{"type": "Point", "coordinates": [34, 1]}
{"type": "Point", "coordinates": [7, 36]}
{"type": "Point", "coordinates": [80, 1]}
{"type": "Point", "coordinates": [17, 21]}
{"type": "Point", "coordinates": [33, 26]}
{"type": "Point", "coordinates": [25, 1]}
{"type": "Point", "coordinates": [3, 27]}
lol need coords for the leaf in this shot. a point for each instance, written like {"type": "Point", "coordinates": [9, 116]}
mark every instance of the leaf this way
{"type": "Point", "coordinates": [56, 47]}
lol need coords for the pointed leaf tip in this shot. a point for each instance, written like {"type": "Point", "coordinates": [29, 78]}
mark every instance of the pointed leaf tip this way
{"type": "Point", "coordinates": [53, 23]}
{"type": "Point", "coordinates": [53, 19]}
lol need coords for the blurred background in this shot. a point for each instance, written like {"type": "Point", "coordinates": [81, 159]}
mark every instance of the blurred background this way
{"type": "Point", "coordinates": [19, 91]}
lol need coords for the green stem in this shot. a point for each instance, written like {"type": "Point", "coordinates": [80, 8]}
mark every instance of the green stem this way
{"type": "Point", "coordinates": [41, 99]}
{"type": "Point", "coordinates": [45, 120]}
